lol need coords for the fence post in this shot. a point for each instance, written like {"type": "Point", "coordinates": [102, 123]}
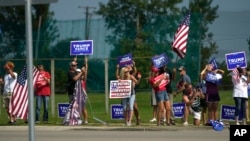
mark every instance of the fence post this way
{"type": "Point", "coordinates": [52, 86]}
{"type": "Point", "coordinates": [106, 86]}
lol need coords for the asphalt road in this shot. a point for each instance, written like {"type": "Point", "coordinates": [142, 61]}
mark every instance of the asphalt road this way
{"type": "Point", "coordinates": [112, 133]}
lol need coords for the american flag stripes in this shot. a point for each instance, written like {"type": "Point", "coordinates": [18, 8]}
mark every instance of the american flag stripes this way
{"type": "Point", "coordinates": [74, 111]}
{"type": "Point", "coordinates": [19, 100]}
{"type": "Point", "coordinates": [181, 36]}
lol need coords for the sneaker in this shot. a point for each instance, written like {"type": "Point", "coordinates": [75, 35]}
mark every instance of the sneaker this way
{"type": "Point", "coordinates": [153, 120]}
{"type": "Point", "coordinates": [168, 124]}
{"type": "Point", "coordinates": [86, 122]}
{"type": "Point", "coordinates": [11, 122]}
{"type": "Point", "coordinates": [37, 122]}
{"type": "Point", "coordinates": [172, 122]}
{"type": "Point", "coordinates": [237, 123]}
{"type": "Point", "coordinates": [185, 123]}
{"type": "Point", "coordinates": [138, 122]}
{"type": "Point", "coordinates": [129, 123]}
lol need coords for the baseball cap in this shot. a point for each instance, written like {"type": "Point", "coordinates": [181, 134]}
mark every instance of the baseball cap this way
{"type": "Point", "coordinates": [181, 68]}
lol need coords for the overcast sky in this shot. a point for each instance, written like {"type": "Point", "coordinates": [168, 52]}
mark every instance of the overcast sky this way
{"type": "Point", "coordinates": [231, 29]}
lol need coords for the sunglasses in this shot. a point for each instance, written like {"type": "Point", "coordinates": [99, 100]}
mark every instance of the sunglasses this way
{"type": "Point", "coordinates": [73, 65]}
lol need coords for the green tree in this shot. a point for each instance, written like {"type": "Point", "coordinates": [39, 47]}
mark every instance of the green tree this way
{"type": "Point", "coordinates": [140, 27]}
{"type": "Point", "coordinates": [13, 31]}
{"type": "Point", "coordinates": [146, 28]}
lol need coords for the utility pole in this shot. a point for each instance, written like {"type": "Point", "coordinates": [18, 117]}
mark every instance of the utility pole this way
{"type": "Point", "coordinates": [87, 22]}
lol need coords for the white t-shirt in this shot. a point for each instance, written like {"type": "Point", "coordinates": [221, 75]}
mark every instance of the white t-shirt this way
{"type": "Point", "coordinates": [9, 83]}
{"type": "Point", "coordinates": [240, 88]}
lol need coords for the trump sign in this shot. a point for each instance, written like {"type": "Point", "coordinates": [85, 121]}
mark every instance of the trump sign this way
{"type": "Point", "coordinates": [82, 47]}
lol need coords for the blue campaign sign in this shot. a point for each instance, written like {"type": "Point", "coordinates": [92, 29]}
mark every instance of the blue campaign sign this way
{"type": "Point", "coordinates": [125, 60]}
{"type": "Point", "coordinates": [236, 59]}
{"type": "Point", "coordinates": [178, 109]}
{"type": "Point", "coordinates": [82, 47]}
{"type": "Point", "coordinates": [228, 112]}
{"type": "Point", "coordinates": [62, 109]}
{"type": "Point", "coordinates": [159, 60]}
{"type": "Point", "coordinates": [116, 111]}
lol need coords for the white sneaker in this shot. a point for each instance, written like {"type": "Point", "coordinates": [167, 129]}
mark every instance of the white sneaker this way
{"type": "Point", "coordinates": [185, 123]}
{"type": "Point", "coordinates": [86, 122]}
{"type": "Point", "coordinates": [153, 120]}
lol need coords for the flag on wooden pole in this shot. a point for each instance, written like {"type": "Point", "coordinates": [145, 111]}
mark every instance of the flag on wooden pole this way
{"type": "Point", "coordinates": [19, 101]}
{"type": "Point", "coordinates": [181, 36]}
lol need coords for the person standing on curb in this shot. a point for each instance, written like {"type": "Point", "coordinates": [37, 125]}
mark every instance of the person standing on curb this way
{"type": "Point", "coordinates": [240, 94]}
{"type": "Point", "coordinates": [172, 75]}
{"type": "Point", "coordinates": [43, 92]}
{"type": "Point", "coordinates": [83, 81]}
{"type": "Point", "coordinates": [10, 79]}
{"type": "Point", "coordinates": [212, 92]}
{"type": "Point", "coordinates": [180, 89]}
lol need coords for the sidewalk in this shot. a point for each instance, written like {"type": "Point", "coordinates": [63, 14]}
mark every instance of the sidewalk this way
{"type": "Point", "coordinates": [112, 127]}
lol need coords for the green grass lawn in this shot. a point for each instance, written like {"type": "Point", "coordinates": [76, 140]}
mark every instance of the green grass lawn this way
{"type": "Point", "coordinates": [96, 108]}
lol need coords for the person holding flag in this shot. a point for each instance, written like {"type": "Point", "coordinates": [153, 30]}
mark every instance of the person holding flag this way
{"type": "Point", "coordinates": [76, 94]}
{"type": "Point", "coordinates": [158, 81]}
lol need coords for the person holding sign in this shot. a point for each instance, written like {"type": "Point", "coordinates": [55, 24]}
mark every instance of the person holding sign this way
{"type": "Point", "coordinates": [74, 76]}
{"type": "Point", "coordinates": [128, 103]}
{"type": "Point", "coordinates": [210, 75]}
{"type": "Point", "coordinates": [133, 71]}
{"type": "Point", "coordinates": [158, 81]}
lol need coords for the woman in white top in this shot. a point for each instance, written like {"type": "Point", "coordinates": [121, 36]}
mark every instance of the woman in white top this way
{"type": "Point", "coordinates": [10, 79]}
{"type": "Point", "coordinates": [240, 94]}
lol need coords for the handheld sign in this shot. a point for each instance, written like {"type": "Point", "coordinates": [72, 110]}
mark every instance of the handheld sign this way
{"type": "Point", "coordinates": [160, 60]}
{"type": "Point", "coordinates": [214, 63]}
{"type": "Point", "coordinates": [120, 88]}
{"type": "Point", "coordinates": [236, 59]}
{"type": "Point", "coordinates": [82, 47]}
{"type": "Point", "coordinates": [125, 60]}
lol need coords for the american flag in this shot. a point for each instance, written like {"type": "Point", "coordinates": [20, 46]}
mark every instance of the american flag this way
{"type": "Point", "coordinates": [181, 36]}
{"type": "Point", "coordinates": [74, 111]}
{"type": "Point", "coordinates": [19, 100]}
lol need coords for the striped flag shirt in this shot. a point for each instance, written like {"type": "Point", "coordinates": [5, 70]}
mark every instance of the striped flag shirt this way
{"type": "Point", "coordinates": [19, 100]}
{"type": "Point", "coordinates": [181, 36]}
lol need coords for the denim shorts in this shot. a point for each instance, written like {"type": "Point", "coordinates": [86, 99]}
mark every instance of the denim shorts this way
{"type": "Point", "coordinates": [161, 96]}
{"type": "Point", "coordinates": [128, 103]}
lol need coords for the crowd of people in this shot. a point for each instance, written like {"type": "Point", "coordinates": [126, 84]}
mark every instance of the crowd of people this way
{"type": "Point", "coordinates": [201, 101]}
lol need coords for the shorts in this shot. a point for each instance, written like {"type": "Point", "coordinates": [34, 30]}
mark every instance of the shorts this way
{"type": "Point", "coordinates": [213, 97]}
{"type": "Point", "coordinates": [196, 115]}
{"type": "Point", "coordinates": [162, 96]}
{"type": "Point", "coordinates": [128, 102]}
{"type": "Point", "coordinates": [6, 100]}
{"type": "Point", "coordinates": [153, 99]}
